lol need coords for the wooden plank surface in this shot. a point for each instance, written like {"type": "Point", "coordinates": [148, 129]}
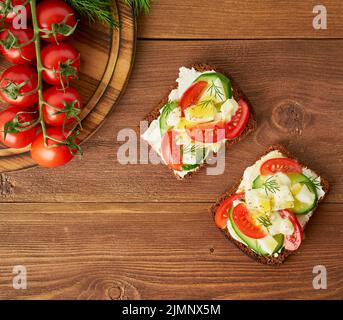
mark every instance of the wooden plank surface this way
{"type": "Point", "coordinates": [113, 250]}
{"type": "Point", "coordinates": [294, 86]}
{"type": "Point", "coordinates": [97, 229]}
{"type": "Point", "coordinates": [239, 19]}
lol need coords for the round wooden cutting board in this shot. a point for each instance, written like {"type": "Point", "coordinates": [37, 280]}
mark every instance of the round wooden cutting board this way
{"type": "Point", "coordinates": [106, 61]}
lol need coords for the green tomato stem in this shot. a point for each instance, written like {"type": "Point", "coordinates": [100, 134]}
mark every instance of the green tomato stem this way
{"type": "Point", "coordinates": [36, 32]}
{"type": "Point", "coordinates": [40, 68]}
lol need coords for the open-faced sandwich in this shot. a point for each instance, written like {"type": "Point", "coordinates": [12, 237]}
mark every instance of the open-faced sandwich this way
{"type": "Point", "coordinates": [198, 117]}
{"type": "Point", "coordinates": [265, 214]}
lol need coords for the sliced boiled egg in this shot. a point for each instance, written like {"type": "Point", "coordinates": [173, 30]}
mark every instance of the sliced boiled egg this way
{"type": "Point", "coordinates": [268, 244]}
{"type": "Point", "coordinates": [204, 111]}
{"type": "Point", "coordinates": [228, 109]}
{"type": "Point", "coordinates": [282, 179]}
{"type": "Point", "coordinates": [174, 117]}
{"type": "Point", "coordinates": [257, 200]}
{"type": "Point", "coordinates": [282, 198]}
{"type": "Point", "coordinates": [280, 225]}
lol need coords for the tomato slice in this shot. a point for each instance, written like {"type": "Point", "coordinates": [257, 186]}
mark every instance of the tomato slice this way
{"type": "Point", "coordinates": [171, 152]}
{"type": "Point", "coordinates": [222, 214]}
{"type": "Point", "coordinates": [293, 241]}
{"type": "Point", "coordinates": [192, 94]}
{"type": "Point", "coordinates": [242, 219]}
{"type": "Point", "coordinates": [210, 132]}
{"type": "Point", "coordinates": [215, 131]}
{"type": "Point", "coordinates": [283, 165]}
{"type": "Point", "coordinates": [238, 121]}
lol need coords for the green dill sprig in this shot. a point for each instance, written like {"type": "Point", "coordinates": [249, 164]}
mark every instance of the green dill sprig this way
{"type": "Point", "coordinates": [195, 150]}
{"type": "Point", "coordinates": [101, 10]}
{"type": "Point", "coordinates": [215, 91]}
{"type": "Point", "coordinates": [315, 181]}
{"type": "Point", "coordinates": [139, 6]}
{"type": "Point", "coordinates": [265, 221]}
{"type": "Point", "coordinates": [191, 148]}
{"type": "Point", "coordinates": [204, 104]}
{"type": "Point", "coordinates": [270, 186]}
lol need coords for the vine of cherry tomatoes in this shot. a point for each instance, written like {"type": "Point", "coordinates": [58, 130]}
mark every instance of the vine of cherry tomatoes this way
{"type": "Point", "coordinates": [44, 110]}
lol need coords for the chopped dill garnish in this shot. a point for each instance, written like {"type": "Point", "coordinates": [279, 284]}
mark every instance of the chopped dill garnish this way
{"type": "Point", "coordinates": [215, 91]}
{"type": "Point", "coordinates": [191, 148]}
{"type": "Point", "coordinates": [265, 221]}
{"type": "Point", "coordinates": [315, 181]}
{"type": "Point", "coordinates": [271, 186]}
{"type": "Point", "coordinates": [204, 104]}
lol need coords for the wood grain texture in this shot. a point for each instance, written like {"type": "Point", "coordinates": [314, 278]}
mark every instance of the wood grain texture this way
{"type": "Point", "coordinates": [162, 251]}
{"type": "Point", "coordinates": [106, 62]}
{"type": "Point", "coordinates": [97, 229]}
{"type": "Point", "coordinates": [294, 86]}
{"type": "Point", "coordinates": [239, 19]}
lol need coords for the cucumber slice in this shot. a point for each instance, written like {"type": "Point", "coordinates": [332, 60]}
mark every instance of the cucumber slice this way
{"type": "Point", "coordinates": [280, 239]}
{"type": "Point", "coordinates": [168, 107]}
{"type": "Point", "coordinates": [211, 76]}
{"type": "Point", "coordinates": [301, 207]}
{"type": "Point", "coordinates": [198, 152]}
{"type": "Point", "coordinates": [296, 178]}
{"type": "Point", "coordinates": [188, 167]}
{"type": "Point", "coordinates": [258, 182]}
{"type": "Point", "coordinates": [253, 243]}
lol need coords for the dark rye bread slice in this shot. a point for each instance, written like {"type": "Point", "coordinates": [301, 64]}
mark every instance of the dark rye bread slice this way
{"type": "Point", "coordinates": [237, 94]}
{"type": "Point", "coordinates": [270, 260]}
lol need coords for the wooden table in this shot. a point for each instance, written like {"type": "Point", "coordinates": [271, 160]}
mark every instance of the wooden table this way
{"type": "Point", "coordinates": [101, 230]}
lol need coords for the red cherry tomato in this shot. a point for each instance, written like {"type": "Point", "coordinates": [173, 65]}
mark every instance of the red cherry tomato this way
{"type": "Point", "coordinates": [63, 106]}
{"type": "Point", "coordinates": [210, 132]}
{"type": "Point", "coordinates": [171, 152]}
{"type": "Point", "coordinates": [62, 63]}
{"type": "Point", "coordinates": [18, 85]}
{"type": "Point", "coordinates": [11, 41]}
{"type": "Point", "coordinates": [56, 19]}
{"type": "Point", "coordinates": [7, 8]}
{"type": "Point", "coordinates": [192, 94]}
{"type": "Point", "coordinates": [15, 138]}
{"type": "Point", "coordinates": [215, 131]}
{"type": "Point", "coordinates": [52, 155]}
{"type": "Point", "coordinates": [238, 121]}
{"type": "Point", "coordinates": [284, 165]}
{"type": "Point", "coordinates": [293, 241]}
{"type": "Point", "coordinates": [222, 214]}
{"type": "Point", "coordinates": [242, 219]}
